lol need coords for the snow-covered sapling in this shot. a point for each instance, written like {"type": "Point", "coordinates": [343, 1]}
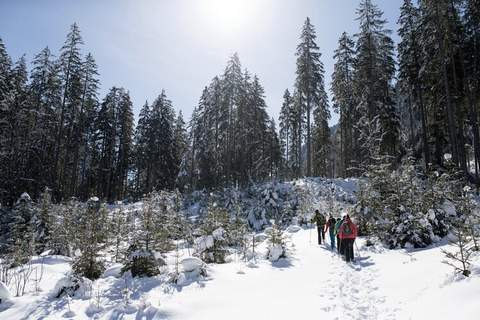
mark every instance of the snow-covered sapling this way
{"type": "Point", "coordinates": [212, 245]}
{"type": "Point", "coordinates": [460, 259]}
{"type": "Point", "coordinates": [277, 247]}
{"type": "Point", "coordinates": [39, 271]}
{"type": "Point", "coordinates": [92, 233]}
{"type": "Point", "coordinates": [140, 262]}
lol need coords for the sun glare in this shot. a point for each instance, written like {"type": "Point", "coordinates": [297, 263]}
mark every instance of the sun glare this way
{"type": "Point", "coordinates": [227, 15]}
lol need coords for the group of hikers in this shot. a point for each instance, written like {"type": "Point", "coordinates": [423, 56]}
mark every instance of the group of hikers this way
{"type": "Point", "coordinates": [341, 230]}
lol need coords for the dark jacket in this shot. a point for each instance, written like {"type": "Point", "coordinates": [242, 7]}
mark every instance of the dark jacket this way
{"type": "Point", "coordinates": [331, 225]}
{"type": "Point", "coordinates": [319, 219]}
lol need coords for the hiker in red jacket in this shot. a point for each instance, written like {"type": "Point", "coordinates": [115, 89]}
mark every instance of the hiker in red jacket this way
{"type": "Point", "coordinates": [347, 234]}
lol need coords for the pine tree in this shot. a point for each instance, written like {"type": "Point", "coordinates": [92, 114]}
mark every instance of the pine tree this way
{"type": "Point", "coordinates": [92, 231]}
{"type": "Point", "coordinates": [310, 86]}
{"type": "Point", "coordinates": [45, 220]}
{"type": "Point", "coordinates": [276, 243]}
{"type": "Point", "coordinates": [162, 152]}
{"type": "Point", "coordinates": [124, 133]}
{"type": "Point", "coordinates": [113, 143]}
{"type": "Point", "coordinates": [344, 100]}
{"type": "Point", "coordinates": [377, 120]}
{"type": "Point", "coordinates": [70, 62]}
{"type": "Point", "coordinates": [286, 124]}
{"type": "Point", "coordinates": [21, 243]}
{"type": "Point", "coordinates": [84, 127]}
{"type": "Point", "coordinates": [180, 137]}
{"type": "Point", "coordinates": [409, 53]}
{"type": "Point", "coordinates": [212, 246]}
{"type": "Point", "coordinates": [45, 100]}
{"type": "Point", "coordinates": [15, 127]}
{"type": "Point", "coordinates": [142, 164]}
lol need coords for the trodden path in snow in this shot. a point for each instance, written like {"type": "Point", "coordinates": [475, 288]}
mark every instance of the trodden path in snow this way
{"type": "Point", "coordinates": [313, 284]}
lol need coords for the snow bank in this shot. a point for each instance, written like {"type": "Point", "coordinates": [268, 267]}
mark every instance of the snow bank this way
{"type": "Point", "coordinates": [260, 237]}
{"type": "Point", "coordinates": [114, 270]}
{"type": "Point", "coordinates": [275, 253]}
{"type": "Point", "coordinates": [191, 264]}
{"type": "Point", "coordinates": [293, 229]}
{"type": "Point", "coordinates": [203, 243]}
{"type": "Point", "coordinates": [4, 293]}
{"type": "Point", "coordinates": [218, 234]}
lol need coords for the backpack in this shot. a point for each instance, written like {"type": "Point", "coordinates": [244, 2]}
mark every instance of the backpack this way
{"type": "Point", "coordinates": [347, 229]}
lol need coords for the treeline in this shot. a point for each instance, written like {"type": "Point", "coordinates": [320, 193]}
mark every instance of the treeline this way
{"type": "Point", "coordinates": [56, 133]}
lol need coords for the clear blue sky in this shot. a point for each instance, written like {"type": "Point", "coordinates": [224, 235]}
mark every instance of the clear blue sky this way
{"type": "Point", "coordinates": [179, 45]}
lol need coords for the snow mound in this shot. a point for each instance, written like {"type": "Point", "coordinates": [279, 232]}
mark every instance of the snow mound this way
{"type": "Point", "coordinates": [203, 243]}
{"type": "Point", "coordinates": [191, 264]}
{"type": "Point", "coordinates": [113, 271]}
{"type": "Point", "coordinates": [260, 237]}
{"type": "Point", "coordinates": [275, 253]}
{"type": "Point", "coordinates": [4, 292]}
{"type": "Point", "coordinates": [293, 229]}
{"type": "Point", "coordinates": [93, 309]}
{"type": "Point", "coordinates": [181, 279]}
{"type": "Point", "coordinates": [218, 234]}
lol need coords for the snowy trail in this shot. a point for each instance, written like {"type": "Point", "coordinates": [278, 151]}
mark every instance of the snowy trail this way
{"type": "Point", "coordinates": [314, 283]}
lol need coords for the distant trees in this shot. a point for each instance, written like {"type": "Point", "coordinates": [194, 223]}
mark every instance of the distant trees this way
{"type": "Point", "coordinates": [232, 139]}
{"type": "Point", "coordinates": [56, 132]}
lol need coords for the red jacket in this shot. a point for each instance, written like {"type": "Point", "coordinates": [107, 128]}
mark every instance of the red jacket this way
{"type": "Point", "coordinates": [352, 235]}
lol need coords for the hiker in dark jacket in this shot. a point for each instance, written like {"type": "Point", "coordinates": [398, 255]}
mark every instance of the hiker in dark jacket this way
{"type": "Point", "coordinates": [320, 220]}
{"type": "Point", "coordinates": [348, 233]}
{"type": "Point", "coordinates": [336, 229]}
{"type": "Point", "coordinates": [330, 226]}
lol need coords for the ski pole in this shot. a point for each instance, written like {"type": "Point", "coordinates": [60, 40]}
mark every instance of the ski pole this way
{"type": "Point", "coordinates": [310, 227]}
{"type": "Point", "coordinates": [358, 250]}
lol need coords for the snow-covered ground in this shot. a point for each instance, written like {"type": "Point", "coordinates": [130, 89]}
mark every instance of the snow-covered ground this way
{"type": "Point", "coordinates": [312, 283]}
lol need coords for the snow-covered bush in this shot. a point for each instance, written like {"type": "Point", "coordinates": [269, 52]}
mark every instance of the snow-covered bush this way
{"type": "Point", "coordinates": [5, 294]}
{"type": "Point", "coordinates": [278, 201]}
{"type": "Point", "coordinates": [20, 232]}
{"type": "Point", "coordinates": [141, 263]}
{"type": "Point", "coordinates": [277, 247]}
{"type": "Point", "coordinates": [66, 286]}
{"type": "Point", "coordinates": [403, 207]}
{"type": "Point", "coordinates": [190, 264]}
{"type": "Point", "coordinates": [212, 245]}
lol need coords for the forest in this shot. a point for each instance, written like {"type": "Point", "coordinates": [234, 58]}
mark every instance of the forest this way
{"type": "Point", "coordinates": [123, 207]}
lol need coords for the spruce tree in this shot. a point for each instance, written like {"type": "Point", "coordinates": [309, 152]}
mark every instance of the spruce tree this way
{"type": "Point", "coordinates": [410, 63]}
{"type": "Point", "coordinates": [70, 63]}
{"type": "Point", "coordinates": [344, 100]}
{"type": "Point", "coordinates": [92, 231]}
{"type": "Point", "coordinates": [377, 120]}
{"type": "Point", "coordinates": [286, 130]}
{"type": "Point", "coordinates": [310, 86]}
